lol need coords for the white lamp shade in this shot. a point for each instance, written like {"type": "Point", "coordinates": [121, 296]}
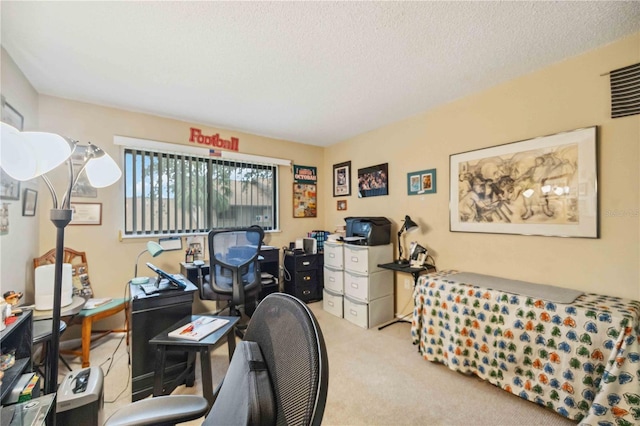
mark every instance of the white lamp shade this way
{"type": "Point", "coordinates": [17, 158]}
{"type": "Point", "coordinates": [102, 171]}
{"type": "Point", "coordinates": [50, 150]}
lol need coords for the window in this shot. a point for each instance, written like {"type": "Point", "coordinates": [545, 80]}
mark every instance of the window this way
{"type": "Point", "coordinates": [185, 194]}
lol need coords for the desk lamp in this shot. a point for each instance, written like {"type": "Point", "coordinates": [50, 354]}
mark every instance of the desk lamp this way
{"type": "Point", "coordinates": [409, 226]}
{"type": "Point", "coordinates": [154, 250]}
{"type": "Point", "coordinates": [27, 155]}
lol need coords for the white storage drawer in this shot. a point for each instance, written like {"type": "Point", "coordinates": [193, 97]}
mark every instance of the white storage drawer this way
{"type": "Point", "coordinates": [334, 280]}
{"type": "Point", "coordinates": [334, 255]}
{"type": "Point", "coordinates": [365, 259]}
{"type": "Point", "coordinates": [367, 315]}
{"type": "Point", "coordinates": [332, 303]}
{"type": "Point", "coordinates": [366, 288]}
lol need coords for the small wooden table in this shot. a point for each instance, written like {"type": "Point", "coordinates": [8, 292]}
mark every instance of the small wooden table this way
{"type": "Point", "coordinates": [165, 343]}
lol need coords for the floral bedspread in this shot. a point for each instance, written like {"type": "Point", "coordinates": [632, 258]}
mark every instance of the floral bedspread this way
{"type": "Point", "coordinates": [581, 360]}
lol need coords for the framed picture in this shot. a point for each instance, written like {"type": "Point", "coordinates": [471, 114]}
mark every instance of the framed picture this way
{"type": "Point", "coordinates": [342, 204]}
{"type": "Point", "coordinates": [29, 202]}
{"type": "Point", "coordinates": [542, 186]}
{"type": "Point", "coordinates": [11, 116]}
{"type": "Point", "coordinates": [86, 214]}
{"type": "Point", "coordinates": [342, 179]}
{"type": "Point", "coordinates": [423, 182]}
{"type": "Point", "coordinates": [373, 181]}
{"type": "Point", "coordinates": [304, 200]}
{"type": "Point", "coordinates": [9, 187]}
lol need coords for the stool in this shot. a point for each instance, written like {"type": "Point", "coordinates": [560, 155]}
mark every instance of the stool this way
{"type": "Point", "coordinates": [165, 343]}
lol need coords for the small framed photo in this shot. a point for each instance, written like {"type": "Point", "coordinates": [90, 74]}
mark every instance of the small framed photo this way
{"type": "Point", "coordinates": [9, 187]}
{"type": "Point", "coordinates": [422, 182]}
{"type": "Point", "coordinates": [29, 202]}
{"type": "Point", "coordinates": [86, 214]}
{"type": "Point", "coordinates": [342, 204]}
{"type": "Point", "coordinates": [342, 179]}
{"type": "Point", "coordinates": [11, 116]}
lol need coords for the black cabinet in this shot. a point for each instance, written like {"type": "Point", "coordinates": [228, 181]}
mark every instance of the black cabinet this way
{"type": "Point", "coordinates": [303, 276]}
{"type": "Point", "coordinates": [151, 315]}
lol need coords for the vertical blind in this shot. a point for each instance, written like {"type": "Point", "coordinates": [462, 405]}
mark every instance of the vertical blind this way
{"type": "Point", "coordinates": [625, 91]}
{"type": "Point", "coordinates": [182, 194]}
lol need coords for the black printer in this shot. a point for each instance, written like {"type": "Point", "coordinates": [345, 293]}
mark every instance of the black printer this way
{"type": "Point", "coordinates": [369, 231]}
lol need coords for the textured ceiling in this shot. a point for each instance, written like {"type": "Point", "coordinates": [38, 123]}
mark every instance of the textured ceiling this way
{"type": "Point", "coordinates": [310, 72]}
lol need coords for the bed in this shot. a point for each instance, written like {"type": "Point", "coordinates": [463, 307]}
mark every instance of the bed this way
{"type": "Point", "coordinates": [580, 359]}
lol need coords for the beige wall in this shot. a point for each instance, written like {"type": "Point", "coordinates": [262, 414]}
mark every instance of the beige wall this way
{"type": "Point", "coordinates": [111, 261]}
{"type": "Point", "coordinates": [20, 245]}
{"type": "Point", "coordinates": [568, 95]}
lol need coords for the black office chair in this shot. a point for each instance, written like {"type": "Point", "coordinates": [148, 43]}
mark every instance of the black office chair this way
{"type": "Point", "coordinates": [234, 270]}
{"type": "Point", "coordinates": [292, 349]}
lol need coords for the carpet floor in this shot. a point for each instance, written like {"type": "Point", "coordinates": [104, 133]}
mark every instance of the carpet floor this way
{"type": "Point", "coordinates": [375, 378]}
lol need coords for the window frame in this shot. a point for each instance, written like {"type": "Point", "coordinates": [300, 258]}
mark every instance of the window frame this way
{"type": "Point", "coordinates": [165, 149]}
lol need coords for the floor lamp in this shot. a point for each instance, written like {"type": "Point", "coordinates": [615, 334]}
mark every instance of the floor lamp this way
{"type": "Point", "coordinates": [27, 155]}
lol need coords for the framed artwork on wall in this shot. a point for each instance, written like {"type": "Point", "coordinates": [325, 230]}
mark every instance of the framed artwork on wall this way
{"type": "Point", "coordinates": [86, 214]}
{"type": "Point", "coordinates": [422, 182]}
{"type": "Point", "coordinates": [29, 202]}
{"type": "Point", "coordinates": [341, 205]}
{"type": "Point", "coordinates": [542, 186]}
{"type": "Point", "coordinates": [10, 115]}
{"type": "Point", "coordinates": [304, 200]}
{"type": "Point", "coordinates": [9, 187]}
{"type": "Point", "coordinates": [373, 181]}
{"type": "Point", "coordinates": [342, 179]}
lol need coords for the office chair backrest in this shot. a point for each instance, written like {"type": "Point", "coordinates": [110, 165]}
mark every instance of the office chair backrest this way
{"type": "Point", "coordinates": [296, 356]}
{"type": "Point", "coordinates": [234, 268]}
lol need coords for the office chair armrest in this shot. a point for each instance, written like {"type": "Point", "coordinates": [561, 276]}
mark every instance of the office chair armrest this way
{"type": "Point", "coordinates": [160, 410]}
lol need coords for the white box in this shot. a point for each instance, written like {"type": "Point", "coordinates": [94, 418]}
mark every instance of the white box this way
{"type": "Point", "coordinates": [334, 255]}
{"type": "Point", "coordinates": [365, 259]}
{"type": "Point", "coordinates": [366, 288]}
{"type": "Point", "coordinates": [334, 280]}
{"type": "Point", "coordinates": [332, 303]}
{"type": "Point", "coordinates": [367, 315]}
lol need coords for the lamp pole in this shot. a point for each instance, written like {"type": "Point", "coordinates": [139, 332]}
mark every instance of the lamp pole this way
{"type": "Point", "coordinates": [60, 219]}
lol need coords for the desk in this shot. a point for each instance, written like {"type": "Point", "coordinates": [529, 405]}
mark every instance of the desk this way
{"type": "Point", "coordinates": [165, 343]}
{"type": "Point", "coordinates": [149, 316]}
{"type": "Point", "coordinates": [407, 269]}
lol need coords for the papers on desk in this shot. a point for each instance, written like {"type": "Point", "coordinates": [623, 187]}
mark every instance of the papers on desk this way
{"type": "Point", "coordinates": [198, 329]}
{"type": "Point", "coordinates": [94, 303]}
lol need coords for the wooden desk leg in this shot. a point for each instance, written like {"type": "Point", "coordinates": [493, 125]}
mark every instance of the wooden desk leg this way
{"type": "Point", "coordinates": [158, 378]}
{"type": "Point", "coordinates": [207, 380]}
{"type": "Point", "coordinates": [231, 343]}
{"type": "Point", "coordinates": [86, 341]}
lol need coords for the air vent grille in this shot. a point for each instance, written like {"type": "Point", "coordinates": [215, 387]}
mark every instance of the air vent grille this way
{"type": "Point", "coordinates": [625, 91]}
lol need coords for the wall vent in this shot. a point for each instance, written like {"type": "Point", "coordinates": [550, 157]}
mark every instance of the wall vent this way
{"type": "Point", "coordinates": [625, 91]}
